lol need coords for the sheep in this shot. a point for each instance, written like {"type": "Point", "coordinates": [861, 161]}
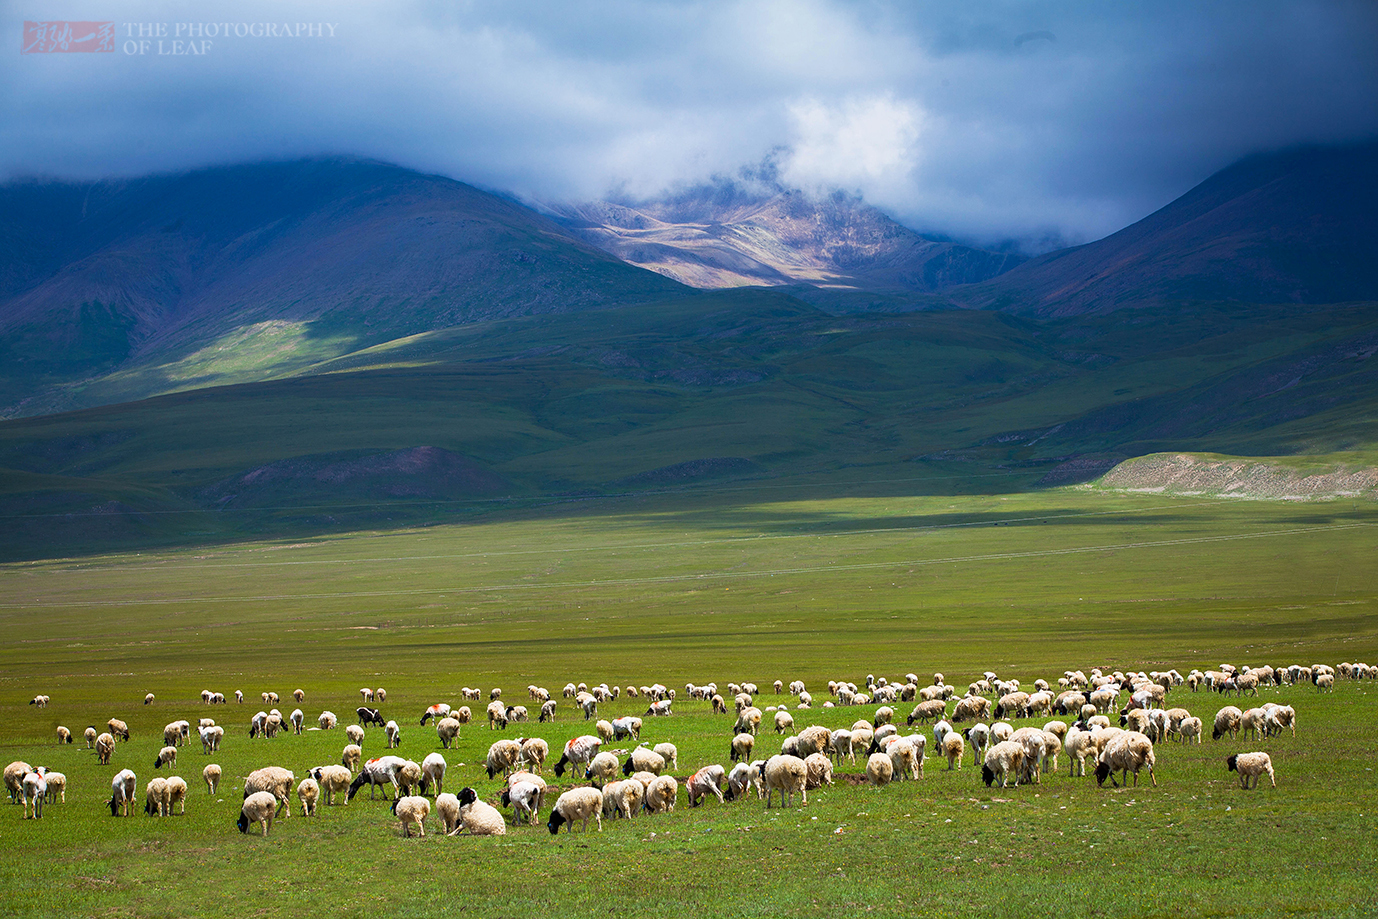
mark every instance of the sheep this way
{"type": "Point", "coordinates": [1032, 740]}
{"type": "Point", "coordinates": [604, 729]}
{"type": "Point", "coordinates": [259, 807]}
{"type": "Point", "coordinates": [784, 722]}
{"type": "Point", "coordinates": [742, 745]}
{"type": "Point", "coordinates": [327, 721]}
{"type": "Point", "coordinates": [105, 747]}
{"type": "Point", "coordinates": [970, 708]}
{"type": "Point", "coordinates": [122, 788]}
{"type": "Point", "coordinates": [576, 804]}
{"type": "Point", "coordinates": [1251, 765]}
{"type": "Point", "coordinates": [1001, 731]}
{"type": "Point", "coordinates": [1190, 730]}
{"type": "Point", "coordinates": [953, 747]}
{"type": "Point", "coordinates": [577, 753]}
{"type": "Point", "coordinates": [447, 729]}
{"type": "Point", "coordinates": [748, 721]}
{"type": "Point", "coordinates": [412, 809]}
{"type": "Point", "coordinates": [603, 769]}
{"type": "Point", "coordinates": [40, 701]}
{"type": "Point", "coordinates": [172, 733]}
{"type": "Point", "coordinates": [118, 728]}
{"type": "Point", "coordinates": [905, 758]}
{"type": "Point", "coordinates": [787, 774]}
{"type": "Point", "coordinates": [354, 734]}
{"type": "Point", "coordinates": [273, 779]}
{"type": "Point", "coordinates": [33, 790]}
{"type": "Point", "coordinates": [148, 699]}
{"type": "Point", "coordinates": [661, 795]}
{"type": "Point", "coordinates": [298, 717]}
{"type": "Point", "coordinates": [1254, 721]}
{"type": "Point", "coordinates": [1080, 746]}
{"type": "Point", "coordinates": [643, 759]}
{"type": "Point", "coordinates": [1003, 761]}
{"type": "Point", "coordinates": [351, 756]}
{"type": "Point", "coordinates": [394, 734]}
{"type": "Point", "coordinates": [409, 777]}
{"type": "Point", "coordinates": [1126, 751]}
{"type": "Point", "coordinates": [366, 694]}
{"type": "Point", "coordinates": [210, 738]}
{"type": "Point", "coordinates": [380, 694]}
{"type": "Point", "coordinates": [174, 792]}
{"type": "Point", "coordinates": [333, 780]}
{"type": "Point", "coordinates": [462, 714]}
{"type": "Point", "coordinates": [742, 778]}
{"type": "Point", "coordinates": [90, 735]}
{"type": "Point", "coordinates": [438, 711]}
{"type": "Point", "coordinates": [708, 781]}
{"type": "Point", "coordinates": [502, 757]}
{"type": "Point", "coordinates": [381, 771]}
{"type": "Point", "coordinates": [820, 770]}
{"type": "Point", "coordinates": [447, 809]}
{"type": "Point", "coordinates": [369, 716]}
{"type": "Point", "coordinates": [1282, 716]}
{"type": "Point", "coordinates": [1227, 721]}
{"type": "Point", "coordinates": [239, 696]}
{"type": "Point", "coordinates": [497, 716]}
{"type": "Point", "coordinates": [534, 753]}
{"type": "Point", "coordinates": [880, 769]}
{"type": "Point", "coordinates": [979, 736]}
{"type": "Point", "coordinates": [212, 776]}
{"type": "Point", "coordinates": [524, 798]}
{"type": "Point", "coordinates": [432, 773]}
{"type": "Point", "coordinates": [547, 711]}
{"type": "Point", "coordinates": [660, 709]}
{"type": "Point", "coordinates": [479, 818]}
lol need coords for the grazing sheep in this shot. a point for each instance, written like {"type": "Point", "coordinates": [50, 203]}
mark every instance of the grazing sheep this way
{"type": "Point", "coordinates": [351, 757]}
{"type": "Point", "coordinates": [1126, 751]}
{"type": "Point", "coordinates": [447, 729]}
{"type": "Point", "coordinates": [1079, 746]}
{"type": "Point", "coordinates": [880, 769]}
{"type": "Point", "coordinates": [369, 716]}
{"type": "Point", "coordinates": [660, 709]}
{"type": "Point", "coordinates": [462, 714]}
{"type": "Point", "coordinates": [259, 807]}
{"type": "Point", "coordinates": [1280, 717]}
{"type": "Point", "coordinates": [479, 818]}
{"type": "Point", "coordinates": [409, 777]}
{"type": "Point", "coordinates": [1251, 765]}
{"type": "Point", "coordinates": [210, 738]}
{"type": "Point", "coordinates": [381, 771]}
{"type": "Point", "coordinates": [412, 809]}
{"type": "Point", "coordinates": [668, 752]}
{"type": "Point", "coordinates": [742, 778]}
{"type": "Point", "coordinates": [524, 798]}
{"type": "Point", "coordinates": [548, 711]}
{"type": "Point", "coordinates": [979, 736]}
{"type": "Point", "coordinates": [309, 792]}
{"type": "Point", "coordinates": [166, 756]}
{"type": "Point", "coordinates": [105, 747]}
{"type": "Point", "coordinates": [175, 792]}
{"type": "Point", "coordinates": [394, 734]}
{"type": "Point", "coordinates": [432, 773]}
{"type": "Point", "coordinates": [643, 759]}
{"type": "Point", "coordinates": [784, 722]}
{"type": "Point", "coordinates": [820, 770]}
{"type": "Point", "coordinates": [1003, 761]}
{"type": "Point", "coordinates": [502, 757]}
{"type": "Point", "coordinates": [63, 735]}
{"type": "Point", "coordinates": [122, 788]}
{"type": "Point", "coordinates": [661, 795]}
{"type": "Point", "coordinates": [33, 791]}
{"type": "Point", "coordinates": [327, 721]}
{"type": "Point", "coordinates": [1254, 721]}
{"type": "Point", "coordinates": [708, 780]}
{"type": "Point", "coordinates": [604, 729]}
{"type": "Point", "coordinates": [212, 776]}
{"type": "Point", "coordinates": [953, 747]}
{"type": "Point", "coordinates": [90, 735]}
{"type": "Point", "coordinates": [354, 734]}
{"type": "Point", "coordinates": [603, 769]}
{"type": "Point", "coordinates": [742, 745]}
{"type": "Point", "coordinates": [748, 721]}
{"type": "Point", "coordinates": [497, 716]}
{"type": "Point", "coordinates": [787, 774]}
{"type": "Point", "coordinates": [118, 728]}
{"type": "Point", "coordinates": [577, 753]}
{"type": "Point", "coordinates": [576, 804]}
{"type": "Point", "coordinates": [274, 779]}
{"type": "Point", "coordinates": [438, 711]}
{"type": "Point", "coordinates": [380, 694]}
{"type": "Point", "coordinates": [148, 699]}
{"type": "Point", "coordinates": [332, 780]}
{"type": "Point", "coordinates": [298, 717]}
{"type": "Point", "coordinates": [366, 694]}
{"type": "Point", "coordinates": [905, 758]}
{"type": "Point", "coordinates": [1190, 730]}
{"type": "Point", "coordinates": [534, 753]}
{"type": "Point", "coordinates": [447, 809]}
{"type": "Point", "coordinates": [1227, 721]}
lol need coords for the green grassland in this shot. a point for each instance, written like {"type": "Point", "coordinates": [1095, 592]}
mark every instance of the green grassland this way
{"type": "Point", "coordinates": [765, 580]}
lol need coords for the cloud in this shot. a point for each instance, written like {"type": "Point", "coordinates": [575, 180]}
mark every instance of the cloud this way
{"type": "Point", "coordinates": [990, 119]}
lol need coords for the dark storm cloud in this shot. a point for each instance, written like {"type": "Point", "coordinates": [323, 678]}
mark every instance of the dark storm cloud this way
{"type": "Point", "coordinates": [984, 119]}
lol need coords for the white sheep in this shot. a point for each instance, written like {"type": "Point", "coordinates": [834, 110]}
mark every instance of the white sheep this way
{"type": "Point", "coordinates": [298, 718]}
{"type": "Point", "coordinates": [1003, 761]}
{"type": "Point", "coordinates": [1227, 721]}
{"type": "Point", "coordinates": [447, 729]}
{"type": "Point", "coordinates": [880, 769]}
{"type": "Point", "coordinates": [308, 793]}
{"type": "Point", "coordinates": [744, 777]}
{"type": "Point", "coordinates": [447, 809]}
{"type": "Point", "coordinates": [603, 768]}
{"type": "Point", "coordinates": [979, 737]}
{"type": "Point", "coordinates": [784, 722]}
{"type": "Point", "coordinates": [905, 758]}
{"type": "Point", "coordinates": [409, 776]}
{"type": "Point", "coordinates": [166, 757]}
{"type": "Point", "coordinates": [534, 753]}
{"type": "Point", "coordinates": [381, 771]}
{"type": "Point", "coordinates": [708, 780]}
{"type": "Point", "coordinates": [1251, 766]}
{"type": "Point", "coordinates": [57, 787]}
{"type": "Point", "coordinates": [176, 793]}
{"type": "Point", "coordinates": [576, 804]}
{"type": "Point", "coordinates": [259, 807]}
{"type": "Point", "coordinates": [502, 757]}
{"type": "Point", "coordinates": [524, 798]}
{"type": "Point", "coordinates": [34, 790]}
{"type": "Point", "coordinates": [105, 748]}
{"type": "Point", "coordinates": [433, 773]}
{"type": "Point", "coordinates": [623, 798]}
{"type": "Point", "coordinates": [1079, 746]}
{"type": "Point", "coordinates": [1126, 751]}
{"type": "Point", "coordinates": [354, 734]}
{"type": "Point", "coordinates": [643, 759]}
{"type": "Point", "coordinates": [953, 747]}
{"type": "Point", "coordinates": [90, 735]}
{"type": "Point", "coordinates": [661, 794]}
{"type": "Point", "coordinates": [394, 734]}
{"type": "Point", "coordinates": [273, 779]}
{"type": "Point", "coordinates": [14, 778]}
{"type": "Point", "coordinates": [577, 753]}
{"type": "Point", "coordinates": [787, 774]}
{"type": "Point", "coordinates": [741, 747]}
{"type": "Point", "coordinates": [122, 790]}
{"type": "Point", "coordinates": [332, 780]}
{"type": "Point", "coordinates": [820, 770]}
{"type": "Point", "coordinates": [327, 721]}
{"type": "Point", "coordinates": [1190, 730]}
{"type": "Point", "coordinates": [212, 776]}
{"type": "Point", "coordinates": [412, 809]}
{"type": "Point", "coordinates": [477, 817]}
{"type": "Point", "coordinates": [351, 756]}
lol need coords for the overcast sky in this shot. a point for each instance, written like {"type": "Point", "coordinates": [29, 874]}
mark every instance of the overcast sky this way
{"type": "Point", "coordinates": [987, 120]}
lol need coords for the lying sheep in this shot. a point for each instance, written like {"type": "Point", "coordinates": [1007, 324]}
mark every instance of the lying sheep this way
{"type": "Point", "coordinates": [308, 793]}
{"type": "Point", "coordinates": [708, 780]}
{"type": "Point", "coordinates": [412, 809]}
{"type": "Point", "coordinates": [1251, 765]}
{"type": "Point", "coordinates": [332, 780]}
{"type": "Point", "coordinates": [259, 807]}
{"type": "Point", "coordinates": [661, 795]}
{"type": "Point", "coordinates": [786, 774]}
{"type": "Point", "coordinates": [576, 804]}
{"type": "Point", "coordinates": [479, 818]}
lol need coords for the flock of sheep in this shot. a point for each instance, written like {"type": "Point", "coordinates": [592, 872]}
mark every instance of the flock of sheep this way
{"type": "Point", "coordinates": [1117, 722]}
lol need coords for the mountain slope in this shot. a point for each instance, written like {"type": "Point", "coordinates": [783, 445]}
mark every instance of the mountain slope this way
{"type": "Point", "coordinates": [1299, 226]}
{"type": "Point", "coordinates": [725, 235]}
{"type": "Point", "coordinates": [319, 256]}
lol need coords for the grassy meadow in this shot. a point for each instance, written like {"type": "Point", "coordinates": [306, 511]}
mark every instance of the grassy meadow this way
{"type": "Point", "coordinates": [736, 582]}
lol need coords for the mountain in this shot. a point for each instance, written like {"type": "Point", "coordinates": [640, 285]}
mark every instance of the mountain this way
{"type": "Point", "coordinates": [1299, 226]}
{"type": "Point", "coordinates": [728, 234]}
{"type": "Point", "coordinates": [278, 263]}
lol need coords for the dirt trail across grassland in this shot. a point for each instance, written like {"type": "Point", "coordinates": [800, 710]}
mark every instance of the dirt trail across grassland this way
{"type": "Point", "coordinates": [1185, 474]}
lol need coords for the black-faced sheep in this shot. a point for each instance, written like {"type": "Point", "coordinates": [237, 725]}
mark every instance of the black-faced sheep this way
{"type": "Point", "coordinates": [742, 778]}
{"type": "Point", "coordinates": [706, 781]}
{"type": "Point", "coordinates": [502, 757]}
{"type": "Point", "coordinates": [576, 804]}
{"type": "Point", "coordinates": [1127, 751]}
{"type": "Point", "coordinates": [259, 807]}
{"type": "Point", "coordinates": [524, 798]}
{"type": "Point", "coordinates": [661, 794]}
{"type": "Point", "coordinates": [577, 753]}
{"type": "Point", "coordinates": [1004, 761]}
{"type": "Point", "coordinates": [477, 817]}
{"type": "Point", "coordinates": [274, 779]}
{"type": "Point", "coordinates": [382, 771]}
{"type": "Point", "coordinates": [1251, 766]}
{"type": "Point", "coordinates": [333, 780]}
{"type": "Point", "coordinates": [122, 790]}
